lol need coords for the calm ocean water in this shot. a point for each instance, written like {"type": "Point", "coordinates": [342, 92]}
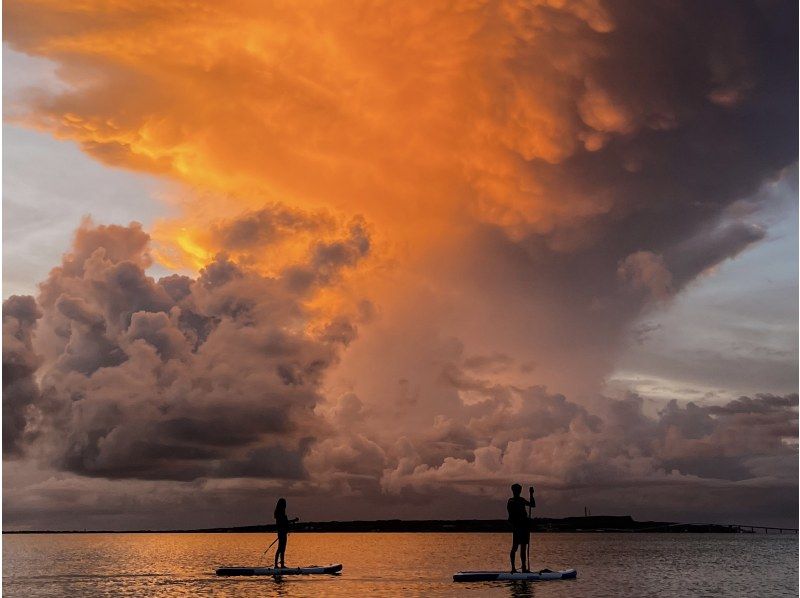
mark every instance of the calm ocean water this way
{"type": "Point", "coordinates": [670, 565]}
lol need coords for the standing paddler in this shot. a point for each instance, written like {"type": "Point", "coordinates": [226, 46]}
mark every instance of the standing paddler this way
{"type": "Point", "coordinates": [282, 523]}
{"type": "Point", "coordinates": [519, 518]}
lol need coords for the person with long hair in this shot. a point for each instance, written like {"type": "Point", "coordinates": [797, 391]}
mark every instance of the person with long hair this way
{"type": "Point", "coordinates": [282, 523]}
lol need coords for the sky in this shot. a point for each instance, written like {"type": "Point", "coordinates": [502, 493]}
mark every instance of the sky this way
{"type": "Point", "coordinates": [386, 259]}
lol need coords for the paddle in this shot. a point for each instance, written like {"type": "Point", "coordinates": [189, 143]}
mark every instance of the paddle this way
{"type": "Point", "coordinates": [263, 554]}
{"type": "Point", "coordinates": [532, 503]}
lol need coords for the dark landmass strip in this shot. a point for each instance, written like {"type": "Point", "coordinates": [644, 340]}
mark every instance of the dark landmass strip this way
{"type": "Point", "coordinates": [590, 524]}
{"type": "Point", "coordinates": [569, 524]}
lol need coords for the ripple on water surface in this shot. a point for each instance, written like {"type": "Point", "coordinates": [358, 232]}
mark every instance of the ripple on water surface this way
{"type": "Point", "coordinates": [664, 565]}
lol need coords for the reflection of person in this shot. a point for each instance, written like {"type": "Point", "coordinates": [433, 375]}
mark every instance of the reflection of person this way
{"type": "Point", "coordinates": [282, 526]}
{"type": "Point", "coordinates": [520, 528]}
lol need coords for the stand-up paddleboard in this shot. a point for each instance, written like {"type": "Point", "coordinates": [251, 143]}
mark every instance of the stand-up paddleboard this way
{"type": "Point", "coordinates": [273, 571]}
{"type": "Point", "coordinates": [544, 575]}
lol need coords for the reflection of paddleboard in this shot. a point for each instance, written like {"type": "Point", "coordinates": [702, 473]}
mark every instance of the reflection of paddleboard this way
{"type": "Point", "coordinates": [312, 570]}
{"type": "Point", "coordinates": [544, 575]}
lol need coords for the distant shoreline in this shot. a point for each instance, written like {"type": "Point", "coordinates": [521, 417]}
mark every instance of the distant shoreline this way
{"type": "Point", "coordinates": [590, 524]}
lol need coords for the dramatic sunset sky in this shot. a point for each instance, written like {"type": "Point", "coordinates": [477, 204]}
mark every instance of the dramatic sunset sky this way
{"type": "Point", "coordinates": [385, 258]}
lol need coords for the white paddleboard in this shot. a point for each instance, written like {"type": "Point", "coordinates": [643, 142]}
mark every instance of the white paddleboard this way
{"type": "Point", "coordinates": [312, 570]}
{"type": "Point", "coordinates": [543, 575]}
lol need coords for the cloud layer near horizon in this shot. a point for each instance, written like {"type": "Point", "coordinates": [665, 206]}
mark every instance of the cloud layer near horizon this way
{"type": "Point", "coordinates": [220, 377]}
{"type": "Point", "coordinates": [476, 201]}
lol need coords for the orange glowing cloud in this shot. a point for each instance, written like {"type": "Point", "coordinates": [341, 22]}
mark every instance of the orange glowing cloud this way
{"type": "Point", "coordinates": [401, 112]}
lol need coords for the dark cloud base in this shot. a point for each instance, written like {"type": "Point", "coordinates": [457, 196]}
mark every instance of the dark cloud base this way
{"type": "Point", "coordinates": [174, 379]}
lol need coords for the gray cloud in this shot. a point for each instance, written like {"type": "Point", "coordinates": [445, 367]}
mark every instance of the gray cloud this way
{"type": "Point", "coordinates": [20, 362]}
{"type": "Point", "coordinates": [566, 446]}
{"type": "Point", "coordinates": [171, 379]}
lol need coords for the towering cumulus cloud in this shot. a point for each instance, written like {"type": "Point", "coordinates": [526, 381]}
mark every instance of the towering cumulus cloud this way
{"type": "Point", "coordinates": [177, 378]}
{"type": "Point", "coordinates": [420, 232]}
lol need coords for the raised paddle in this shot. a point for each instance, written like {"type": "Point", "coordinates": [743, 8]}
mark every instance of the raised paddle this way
{"type": "Point", "coordinates": [532, 504]}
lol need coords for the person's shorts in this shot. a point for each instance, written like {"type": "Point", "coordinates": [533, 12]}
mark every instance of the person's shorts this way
{"type": "Point", "coordinates": [522, 536]}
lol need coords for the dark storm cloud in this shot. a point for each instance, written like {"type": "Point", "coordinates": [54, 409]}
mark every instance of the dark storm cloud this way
{"type": "Point", "coordinates": [697, 106]}
{"type": "Point", "coordinates": [614, 443]}
{"type": "Point", "coordinates": [267, 462]}
{"type": "Point", "coordinates": [268, 226]}
{"type": "Point", "coordinates": [708, 248]}
{"type": "Point", "coordinates": [171, 379]}
{"type": "Point", "coordinates": [20, 362]}
{"type": "Point", "coordinates": [329, 257]}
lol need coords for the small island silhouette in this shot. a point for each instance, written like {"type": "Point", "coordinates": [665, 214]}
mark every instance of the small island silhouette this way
{"type": "Point", "coordinates": [586, 524]}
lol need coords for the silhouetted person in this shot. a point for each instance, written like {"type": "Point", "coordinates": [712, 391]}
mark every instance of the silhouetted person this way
{"type": "Point", "coordinates": [282, 526]}
{"type": "Point", "coordinates": [520, 527]}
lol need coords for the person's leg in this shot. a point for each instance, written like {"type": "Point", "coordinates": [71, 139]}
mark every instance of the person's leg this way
{"type": "Point", "coordinates": [513, 556]}
{"type": "Point", "coordinates": [527, 551]}
{"type": "Point", "coordinates": [279, 552]}
{"type": "Point", "coordinates": [282, 544]}
{"type": "Point", "coordinates": [523, 554]}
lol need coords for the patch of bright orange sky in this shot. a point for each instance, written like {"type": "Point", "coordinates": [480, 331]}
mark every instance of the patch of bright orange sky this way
{"type": "Point", "coordinates": [423, 118]}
